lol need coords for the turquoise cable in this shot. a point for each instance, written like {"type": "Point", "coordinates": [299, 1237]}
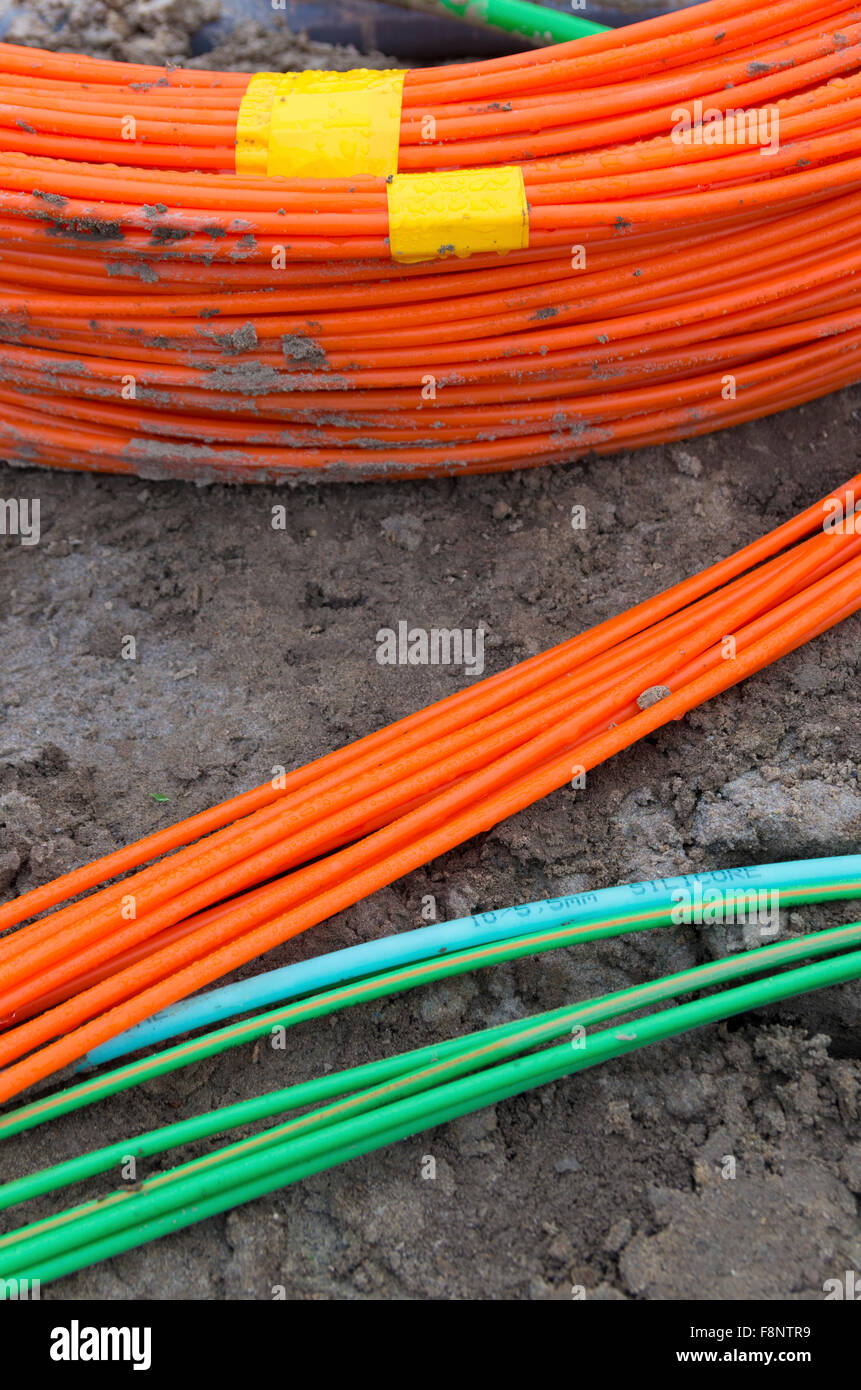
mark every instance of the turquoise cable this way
{"type": "Point", "coordinates": [810, 880]}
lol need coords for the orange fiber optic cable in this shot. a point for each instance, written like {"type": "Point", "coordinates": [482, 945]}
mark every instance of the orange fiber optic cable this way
{"type": "Point", "coordinates": [684, 257]}
{"type": "Point", "coordinates": [385, 805]}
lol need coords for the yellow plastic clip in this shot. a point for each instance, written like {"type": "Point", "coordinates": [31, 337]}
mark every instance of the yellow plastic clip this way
{"type": "Point", "coordinates": [457, 213]}
{"type": "Point", "coordinates": [317, 125]}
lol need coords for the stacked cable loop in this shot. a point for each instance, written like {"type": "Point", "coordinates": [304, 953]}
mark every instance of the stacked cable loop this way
{"type": "Point", "coordinates": [639, 236]}
{"type": "Point", "coordinates": [232, 883]}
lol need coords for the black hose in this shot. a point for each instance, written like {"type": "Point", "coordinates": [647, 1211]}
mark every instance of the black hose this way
{"type": "Point", "coordinates": [408, 33]}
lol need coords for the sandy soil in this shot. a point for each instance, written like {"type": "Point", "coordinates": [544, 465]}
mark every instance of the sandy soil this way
{"type": "Point", "coordinates": [256, 647]}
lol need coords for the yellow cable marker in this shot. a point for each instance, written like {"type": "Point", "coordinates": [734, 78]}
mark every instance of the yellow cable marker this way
{"type": "Point", "coordinates": [457, 213]}
{"type": "Point", "coordinates": [317, 125]}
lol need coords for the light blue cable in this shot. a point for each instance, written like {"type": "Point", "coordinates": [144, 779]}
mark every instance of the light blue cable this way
{"type": "Point", "coordinates": [824, 876]}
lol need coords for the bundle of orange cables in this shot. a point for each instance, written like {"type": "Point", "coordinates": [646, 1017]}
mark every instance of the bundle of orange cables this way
{"type": "Point", "coordinates": [254, 871]}
{"type": "Point", "coordinates": [692, 191]}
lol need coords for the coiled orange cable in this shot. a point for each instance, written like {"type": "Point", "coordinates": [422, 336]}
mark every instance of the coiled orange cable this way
{"type": "Point", "coordinates": [162, 314]}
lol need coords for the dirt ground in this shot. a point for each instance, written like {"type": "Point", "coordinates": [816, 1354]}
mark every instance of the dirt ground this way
{"type": "Point", "coordinates": [257, 647]}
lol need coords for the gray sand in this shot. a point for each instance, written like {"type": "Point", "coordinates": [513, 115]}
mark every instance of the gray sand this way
{"type": "Point", "coordinates": [256, 647]}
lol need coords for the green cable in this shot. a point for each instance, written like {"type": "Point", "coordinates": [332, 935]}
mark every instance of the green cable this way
{"type": "Point", "coordinates": [457, 1055]}
{"type": "Point", "coordinates": [534, 22]}
{"type": "Point", "coordinates": [239, 1181]}
{"type": "Point", "coordinates": [540, 1028]}
{"type": "Point", "coordinates": [209, 1044]}
{"type": "Point", "coordinates": [232, 1116]}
